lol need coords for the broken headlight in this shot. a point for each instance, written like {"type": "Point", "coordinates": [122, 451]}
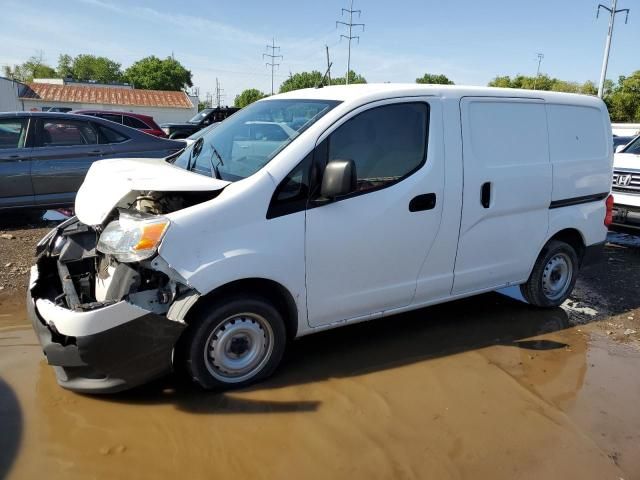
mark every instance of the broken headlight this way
{"type": "Point", "coordinates": [132, 238]}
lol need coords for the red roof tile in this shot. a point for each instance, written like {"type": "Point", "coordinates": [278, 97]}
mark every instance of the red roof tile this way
{"type": "Point", "coordinates": [105, 95]}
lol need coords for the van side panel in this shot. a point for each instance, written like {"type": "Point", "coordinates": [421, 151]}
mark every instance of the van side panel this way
{"type": "Point", "coordinates": [505, 146]}
{"type": "Point", "coordinates": [581, 150]}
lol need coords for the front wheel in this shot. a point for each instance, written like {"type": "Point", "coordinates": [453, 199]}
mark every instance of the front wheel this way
{"type": "Point", "coordinates": [553, 276]}
{"type": "Point", "coordinates": [234, 343]}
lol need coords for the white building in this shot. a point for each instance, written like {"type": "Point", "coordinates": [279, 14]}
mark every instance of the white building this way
{"type": "Point", "coordinates": [61, 95]}
{"type": "Point", "coordinates": [9, 93]}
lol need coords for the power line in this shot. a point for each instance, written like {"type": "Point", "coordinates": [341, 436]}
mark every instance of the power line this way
{"type": "Point", "coordinates": [540, 57]}
{"type": "Point", "coordinates": [350, 37]}
{"type": "Point", "coordinates": [272, 56]}
{"type": "Point", "coordinates": [607, 46]}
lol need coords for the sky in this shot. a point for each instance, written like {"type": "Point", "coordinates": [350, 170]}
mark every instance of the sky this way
{"type": "Point", "coordinates": [469, 41]}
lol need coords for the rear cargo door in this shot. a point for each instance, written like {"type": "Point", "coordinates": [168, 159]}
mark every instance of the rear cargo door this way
{"type": "Point", "coordinates": [506, 192]}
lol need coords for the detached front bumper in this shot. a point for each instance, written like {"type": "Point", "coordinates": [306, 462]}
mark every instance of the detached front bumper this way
{"type": "Point", "coordinates": [104, 350]}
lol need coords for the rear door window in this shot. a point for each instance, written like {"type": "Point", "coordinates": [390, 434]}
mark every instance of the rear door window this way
{"type": "Point", "coordinates": [135, 123]}
{"type": "Point", "coordinates": [66, 133]}
{"type": "Point", "coordinates": [108, 135]}
{"type": "Point", "coordinates": [111, 117]}
{"type": "Point", "coordinates": [13, 132]}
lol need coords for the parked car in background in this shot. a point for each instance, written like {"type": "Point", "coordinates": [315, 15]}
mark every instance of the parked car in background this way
{"type": "Point", "coordinates": [145, 123]}
{"type": "Point", "coordinates": [44, 156]}
{"type": "Point", "coordinates": [202, 120]}
{"type": "Point", "coordinates": [621, 141]}
{"type": "Point", "coordinates": [626, 186]}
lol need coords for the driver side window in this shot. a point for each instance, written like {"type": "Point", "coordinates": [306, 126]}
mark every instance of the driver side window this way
{"type": "Point", "coordinates": [386, 143]}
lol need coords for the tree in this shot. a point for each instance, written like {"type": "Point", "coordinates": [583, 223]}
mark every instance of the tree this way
{"type": "Point", "coordinates": [623, 100]}
{"type": "Point", "coordinates": [34, 67]}
{"type": "Point", "coordinates": [89, 68]}
{"type": "Point", "coordinates": [435, 79]}
{"type": "Point", "coordinates": [543, 82]}
{"type": "Point", "coordinates": [152, 73]}
{"type": "Point", "coordinates": [314, 78]}
{"type": "Point", "coordinates": [301, 80]}
{"type": "Point", "coordinates": [247, 97]}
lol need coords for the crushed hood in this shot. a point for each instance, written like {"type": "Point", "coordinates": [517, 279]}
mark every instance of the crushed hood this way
{"type": "Point", "coordinates": [109, 181]}
{"type": "Point", "coordinates": [626, 161]}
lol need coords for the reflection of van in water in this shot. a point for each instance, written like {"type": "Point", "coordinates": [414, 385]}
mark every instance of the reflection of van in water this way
{"type": "Point", "coordinates": [387, 198]}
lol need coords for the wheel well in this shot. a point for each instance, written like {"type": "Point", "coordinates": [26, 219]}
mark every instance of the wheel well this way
{"type": "Point", "coordinates": [573, 238]}
{"type": "Point", "coordinates": [269, 289]}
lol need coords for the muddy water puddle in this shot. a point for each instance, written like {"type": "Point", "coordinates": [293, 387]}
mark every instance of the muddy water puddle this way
{"type": "Point", "coordinates": [481, 388]}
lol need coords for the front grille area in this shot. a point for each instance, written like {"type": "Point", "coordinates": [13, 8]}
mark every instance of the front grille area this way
{"type": "Point", "coordinates": [625, 181]}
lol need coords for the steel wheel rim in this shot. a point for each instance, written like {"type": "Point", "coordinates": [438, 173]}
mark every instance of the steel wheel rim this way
{"type": "Point", "coordinates": [239, 347]}
{"type": "Point", "coordinates": [557, 276]}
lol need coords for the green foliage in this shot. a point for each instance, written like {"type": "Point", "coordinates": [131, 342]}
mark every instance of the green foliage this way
{"type": "Point", "coordinates": [152, 73]}
{"type": "Point", "coordinates": [301, 80]}
{"type": "Point", "coordinates": [623, 99]}
{"type": "Point", "coordinates": [89, 68]}
{"type": "Point", "coordinates": [433, 78]}
{"type": "Point", "coordinates": [313, 78]}
{"type": "Point", "coordinates": [353, 79]}
{"type": "Point", "coordinates": [544, 82]}
{"type": "Point", "coordinates": [34, 67]}
{"type": "Point", "coordinates": [247, 97]}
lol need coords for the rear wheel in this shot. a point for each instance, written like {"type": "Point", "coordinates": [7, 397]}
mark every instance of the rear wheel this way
{"type": "Point", "coordinates": [234, 344]}
{"type": "Point", "coordinates": [553, 276]}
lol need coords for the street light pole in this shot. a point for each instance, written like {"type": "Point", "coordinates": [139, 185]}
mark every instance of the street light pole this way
{"type": "Point", "coordinates": [607, 46]}
{"type": "Point", "coordinates": [540, 57]}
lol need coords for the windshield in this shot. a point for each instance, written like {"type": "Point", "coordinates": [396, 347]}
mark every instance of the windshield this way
{"type": "Point", "coordinates": [245, 142]}
{"type": "Point", "coordinates": [200, 116]}
{"type": "Point", "coordinates": [633, 147]}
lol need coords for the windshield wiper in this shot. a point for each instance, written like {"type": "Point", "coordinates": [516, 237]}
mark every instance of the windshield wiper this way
{"type": "Point", "coordinates": [220, 162]}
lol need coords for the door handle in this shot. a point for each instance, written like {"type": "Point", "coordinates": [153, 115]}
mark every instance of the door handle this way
{"type": "Point", "coordinates": [485, 194]}
{"type": "Point", "coordinates": [96, 152]}
{"type": "Point", "coordinates": [426, 201]}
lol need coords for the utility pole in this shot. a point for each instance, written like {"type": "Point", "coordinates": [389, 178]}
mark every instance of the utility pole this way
{"type": "Point", "coordinates": [607, 46]}
{"type": "Point", "coordinates": [350, 37]}
{"type": "Point", "coordinates": [219, 94]}
{"type": "Point", "coordinates": [540, 57]}
{"type": "Point", "coordinates": [328, 65]}
{"type": "Point", "coordinates": [272, 56]}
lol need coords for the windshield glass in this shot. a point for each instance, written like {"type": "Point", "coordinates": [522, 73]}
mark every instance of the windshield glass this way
{"type": "Point", "coordinates": [200, 116]}
{"type": "Point", "coordinates": [245, 142]}
{"type": "Point", "coordinates": [633, 147]}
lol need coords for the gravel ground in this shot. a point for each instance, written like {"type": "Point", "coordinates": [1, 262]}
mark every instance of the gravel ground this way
{"type": "Point", "coordinates": [19, 234]}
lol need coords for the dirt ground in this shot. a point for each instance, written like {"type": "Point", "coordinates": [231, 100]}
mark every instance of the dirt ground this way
{"type": "Point", "coordinates": [485, 387]}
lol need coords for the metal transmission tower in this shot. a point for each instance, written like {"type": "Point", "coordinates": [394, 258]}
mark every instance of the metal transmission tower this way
{"type": "Point", "coordinates": [272, 56]}
{"type": "Point", "coordinates": [607, 46]}
{"type": "Point", "coordinates": [350, 37]}
{"type": "Point", "coordinates": [540, 57]}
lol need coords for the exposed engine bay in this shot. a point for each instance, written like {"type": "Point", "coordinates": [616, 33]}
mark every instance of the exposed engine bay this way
{"type": "Point", "coordinates": [76, 274]}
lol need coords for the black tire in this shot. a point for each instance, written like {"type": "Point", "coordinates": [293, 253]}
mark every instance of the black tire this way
{"type": "Point", "coordinates": [538, 289]}
{"type": "Point", "coordinates": [208, 328]}
{"type": "Point", "coordinates": [177, 136]}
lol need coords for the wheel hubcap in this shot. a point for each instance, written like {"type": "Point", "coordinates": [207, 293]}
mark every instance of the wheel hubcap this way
{"type": "Point", "coordinates": [557, 276]}
{"type": "Point", "coordinates": [238, 347]}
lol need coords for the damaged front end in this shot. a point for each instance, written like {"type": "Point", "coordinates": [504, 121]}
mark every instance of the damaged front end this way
{"type": "Point", "coordinates": [100, 299]}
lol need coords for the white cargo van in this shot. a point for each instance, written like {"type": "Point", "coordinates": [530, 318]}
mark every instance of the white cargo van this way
{"type": "Point", "coordinates": [315, 209]}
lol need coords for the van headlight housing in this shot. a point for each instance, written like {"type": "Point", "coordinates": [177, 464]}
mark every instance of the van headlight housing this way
{"type": "Point", "coordinates": [132, 238]}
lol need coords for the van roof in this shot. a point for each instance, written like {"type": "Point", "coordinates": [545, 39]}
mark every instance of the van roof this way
{"type": "Point", "coordinates": [376, 91]}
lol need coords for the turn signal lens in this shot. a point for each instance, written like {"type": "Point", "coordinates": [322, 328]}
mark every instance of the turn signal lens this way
{"type": "Point", "coordinates": [150, 236]}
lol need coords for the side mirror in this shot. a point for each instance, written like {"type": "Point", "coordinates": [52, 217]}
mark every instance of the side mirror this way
{"type": "Point", "coordinates": [619, 148]}
{"type": "Point", "coordinates": [339, 179]}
